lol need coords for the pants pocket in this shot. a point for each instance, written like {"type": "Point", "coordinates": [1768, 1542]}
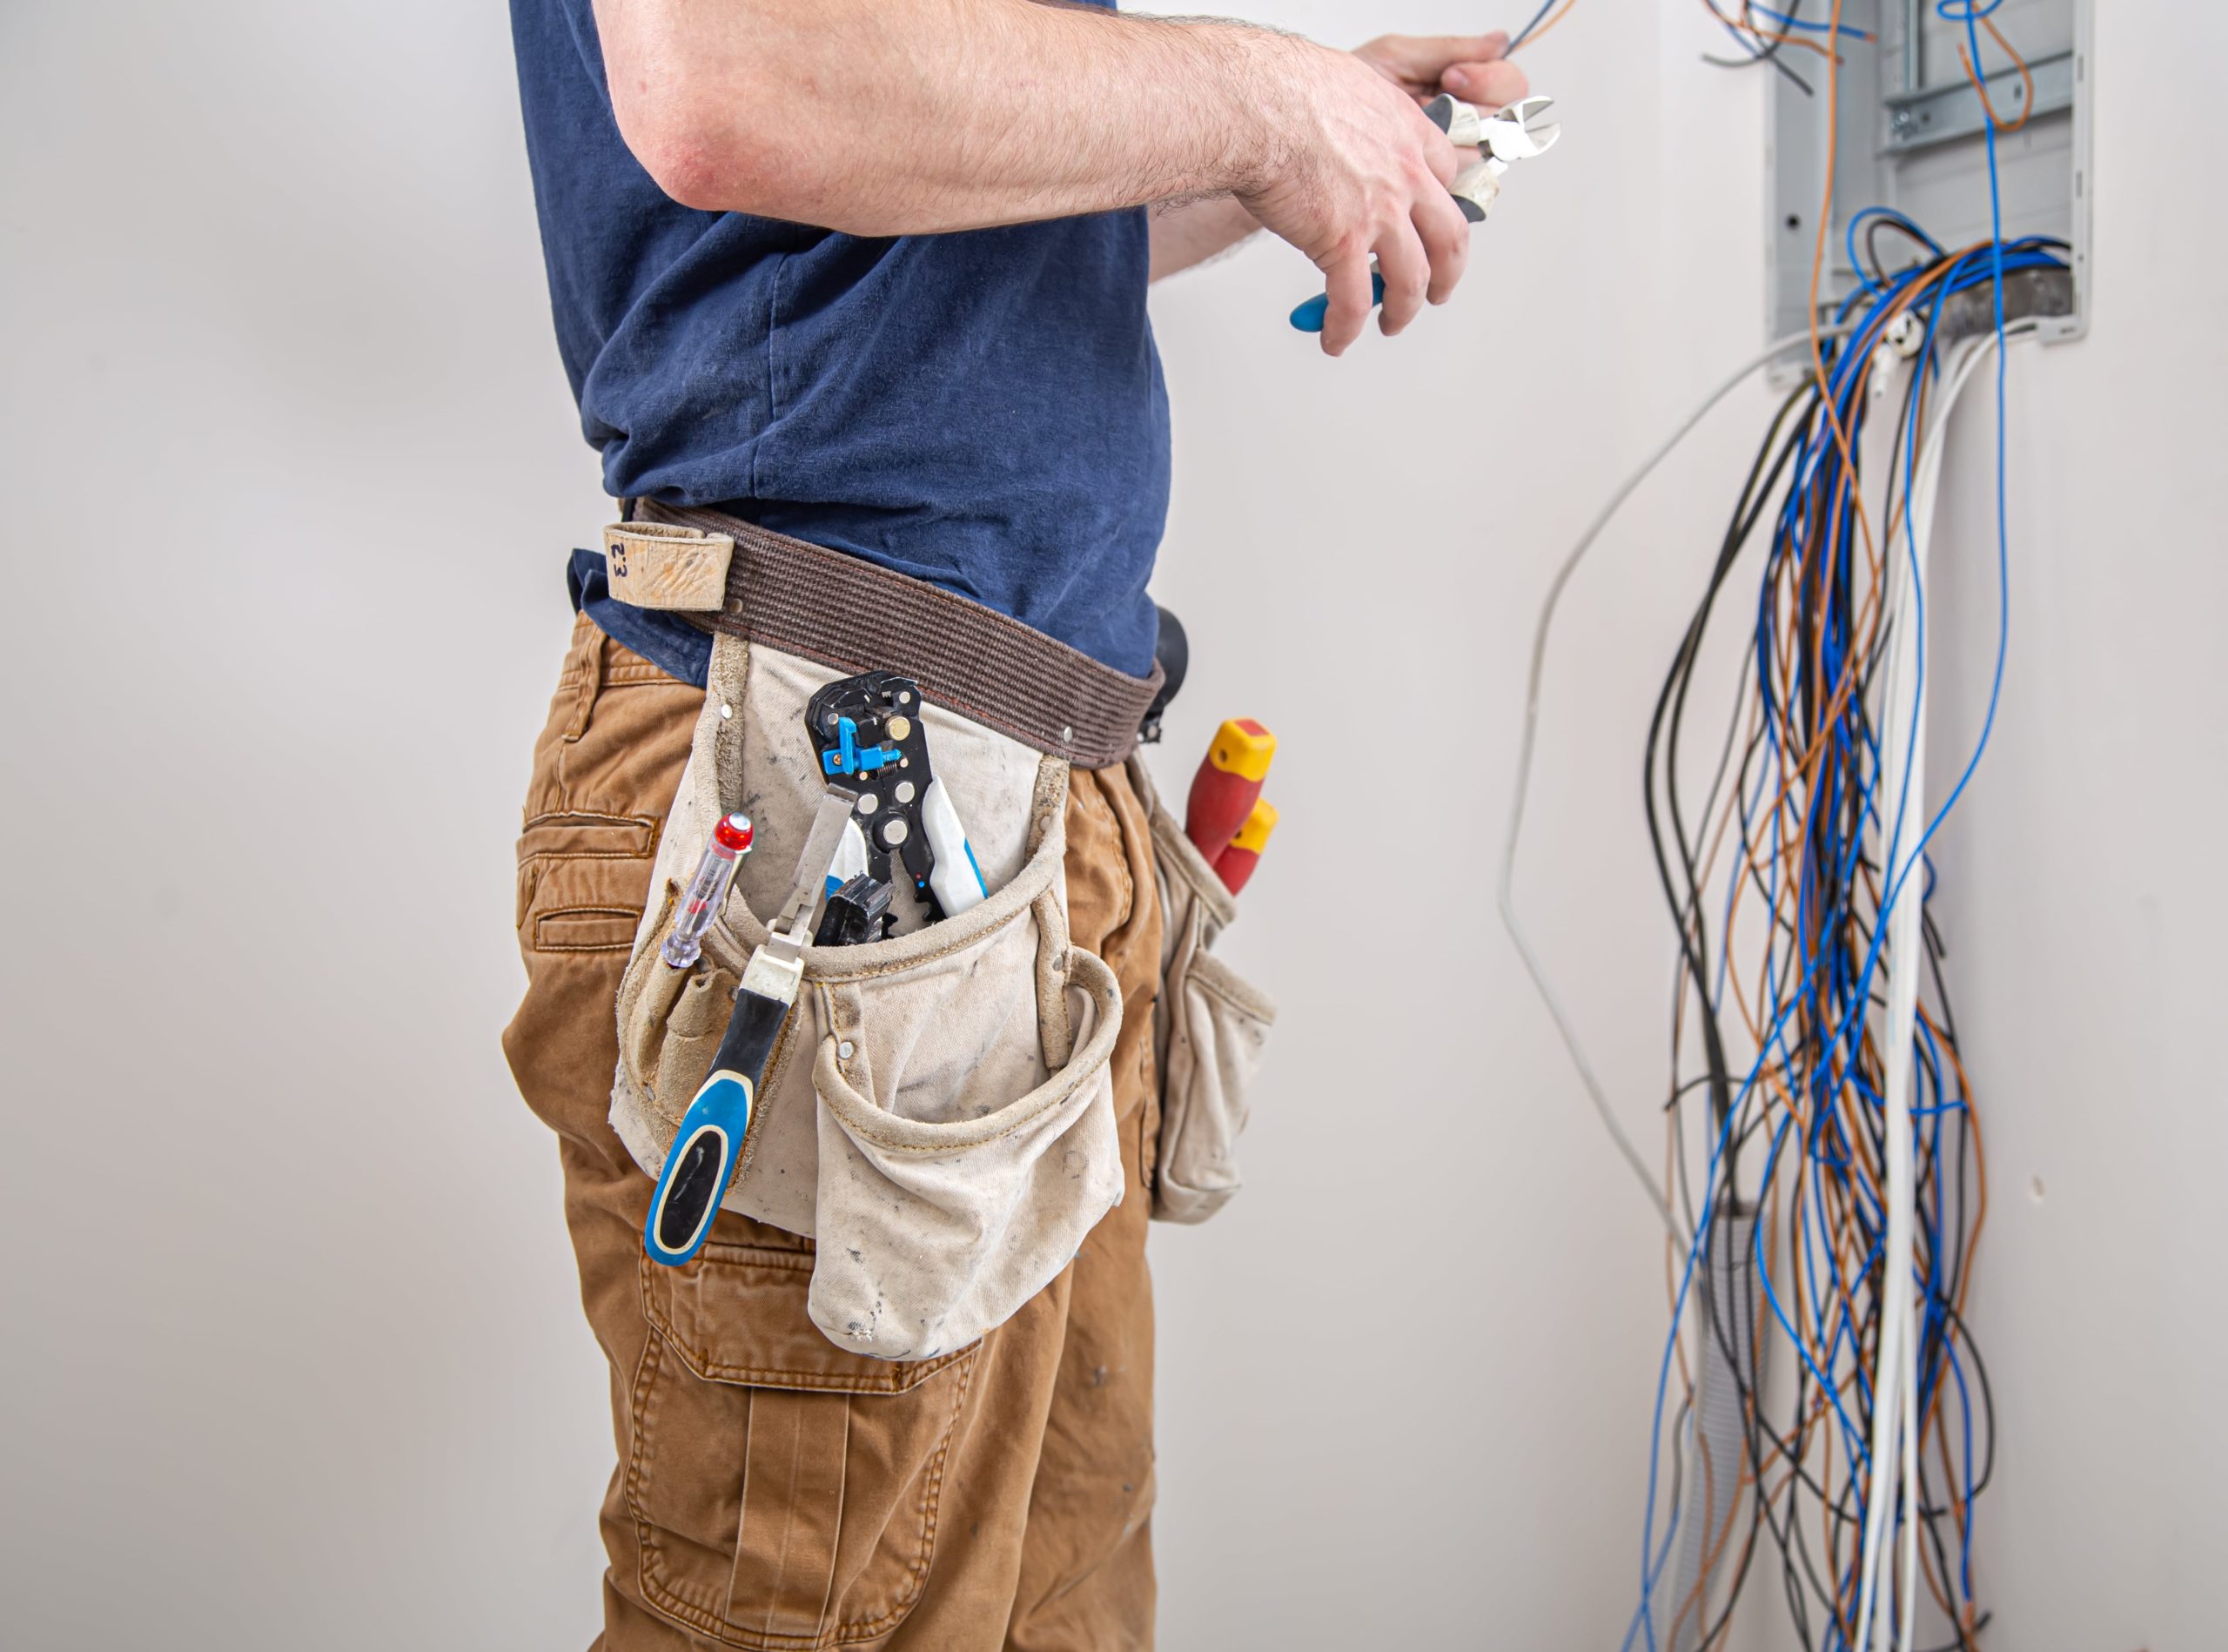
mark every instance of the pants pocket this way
{"type": "Point", "coordinates": [1211, 1030]}
{"type": "Point", "coordinates": [581, 882]}
{"type": "Point", "coordinates": [785, 1494]}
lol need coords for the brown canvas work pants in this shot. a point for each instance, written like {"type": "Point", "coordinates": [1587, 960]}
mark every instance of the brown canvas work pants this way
{"type": "Point", "coordinates": [774, 1491]}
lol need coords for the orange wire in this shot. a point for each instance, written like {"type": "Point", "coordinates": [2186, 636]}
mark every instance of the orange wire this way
{"type": "Point", "coordinates": [1562, 12]}
{"type": "Point", "coordinates": [1817, 270]}
{"type": "Point", "coordinates": [1748, 25]}
{"type": "Point", "coordinates": [2026, 75]}
{"type": "Point", "coordinates": [1805, 742]}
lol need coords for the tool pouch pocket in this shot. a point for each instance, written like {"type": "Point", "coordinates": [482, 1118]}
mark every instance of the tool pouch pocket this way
{"type": "Point", "coordinates": [937, 1114]}
{"type": "Point", "coordinates": [1210, 1028]}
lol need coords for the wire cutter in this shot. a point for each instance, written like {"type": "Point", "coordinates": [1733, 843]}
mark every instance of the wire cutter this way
{"type": "Point", "coordinates": [1516, 133]}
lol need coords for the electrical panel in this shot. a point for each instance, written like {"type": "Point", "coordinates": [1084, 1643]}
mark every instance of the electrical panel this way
{"type": "Point", "coordinates": [1909, 133]}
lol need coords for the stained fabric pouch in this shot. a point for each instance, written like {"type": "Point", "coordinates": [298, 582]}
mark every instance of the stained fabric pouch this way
{"type": "Point", "coordinates": [937, 1114]}
{"type": "Point", "coordinates": [1210, 1028]}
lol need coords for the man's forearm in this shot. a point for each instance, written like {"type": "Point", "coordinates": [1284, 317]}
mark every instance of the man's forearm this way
{"type": "Point", "coordinates": [1190, 232]}
{"type": "Point", "coordinates": [921, 116]}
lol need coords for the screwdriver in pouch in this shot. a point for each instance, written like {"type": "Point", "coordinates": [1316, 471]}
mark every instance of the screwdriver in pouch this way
{"type": "Point", "coordinates": [1228, 784]}
{"type": "Point", "coordinates": [1236, 863]}
{"type": "Point", "coordinates": [707, 1147]}
{"type": "Point", "coordinates": [707, 892]}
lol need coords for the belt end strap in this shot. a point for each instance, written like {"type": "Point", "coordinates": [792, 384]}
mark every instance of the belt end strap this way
{"type": "Point", "coordinates": [657, 565]}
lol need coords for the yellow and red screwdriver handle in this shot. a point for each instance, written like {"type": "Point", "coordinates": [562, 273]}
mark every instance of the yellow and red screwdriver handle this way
{"type": "Point", "coordinates": [1236, 863]}
{"type": "Point", "coordinates": [1228, 784]}
{"type": "Point", "coordinates": [1225, 802]}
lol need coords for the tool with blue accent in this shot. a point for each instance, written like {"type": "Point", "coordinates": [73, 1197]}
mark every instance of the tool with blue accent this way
{"type": "Point", "coordinates": [866, 732]}
{"type": "Point", "coordinates": [1515, 133]}
{"type": "Point", "coordinates": [883, 800]}
{"type": "Point", "coordinates": [708, 1146]}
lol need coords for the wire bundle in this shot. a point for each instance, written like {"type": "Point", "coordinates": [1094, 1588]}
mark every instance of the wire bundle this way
{"type": "Point", "coordinates": [1842, 1189]}
{"type": "Point", "coordinates": [1854, 1096]}
{"type": "Point", "coordinates": [1798, 852]}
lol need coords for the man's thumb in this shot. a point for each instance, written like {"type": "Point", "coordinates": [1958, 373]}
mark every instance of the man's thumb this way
{"type": "Point", "coordinates": [1425, 57]}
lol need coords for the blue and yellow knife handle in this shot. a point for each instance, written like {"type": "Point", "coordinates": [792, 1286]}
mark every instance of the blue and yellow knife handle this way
{"type": "Point", "coordinates": [1309, 317]}
{"type": "Point", "coordinates": [705, 1148]}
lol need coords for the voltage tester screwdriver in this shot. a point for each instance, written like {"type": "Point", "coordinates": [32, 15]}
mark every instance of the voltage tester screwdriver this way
{"type": "Point", "coordinates": [707, 892]}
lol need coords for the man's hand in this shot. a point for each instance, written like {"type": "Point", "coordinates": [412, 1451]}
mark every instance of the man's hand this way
{"type": "Point", "coordinates": [910, 120]}
{"type": "Point", "coordinates": [1355, 170]}
{"type": "Point", "coordinates": [1474, 68]}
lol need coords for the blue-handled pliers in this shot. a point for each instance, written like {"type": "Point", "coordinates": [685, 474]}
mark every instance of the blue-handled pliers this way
{"type": "Point", "coordinates": [1516, 133]}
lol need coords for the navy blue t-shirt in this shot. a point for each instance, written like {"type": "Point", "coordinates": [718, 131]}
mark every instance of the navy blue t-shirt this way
{"type": "Point", "coordinates": [982, 410]}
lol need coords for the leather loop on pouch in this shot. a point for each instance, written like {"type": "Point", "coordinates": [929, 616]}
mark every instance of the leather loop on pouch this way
{"type": "Point", "coordinates": [657, 565]}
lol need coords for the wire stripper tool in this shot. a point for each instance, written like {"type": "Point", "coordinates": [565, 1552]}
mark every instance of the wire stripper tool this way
{"type": "Point", "coordinates": [882, 800]}
{"type": "Point", "coordinates": [867, 731]}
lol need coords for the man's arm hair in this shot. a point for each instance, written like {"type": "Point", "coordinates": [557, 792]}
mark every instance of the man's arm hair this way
{"type": "Point", "coordinates": [912, 117]}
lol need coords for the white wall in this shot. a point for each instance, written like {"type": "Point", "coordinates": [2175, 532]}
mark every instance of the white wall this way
{"type": "Point", "coordinates": [292, 1355]}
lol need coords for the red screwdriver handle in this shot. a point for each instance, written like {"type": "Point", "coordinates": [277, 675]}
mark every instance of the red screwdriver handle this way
{"type": "Point", "coordinates": [1228, 784]}
{"type": "Point", "coordinates": [1237, 862]}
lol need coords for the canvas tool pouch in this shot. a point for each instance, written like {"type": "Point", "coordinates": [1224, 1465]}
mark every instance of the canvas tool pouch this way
{"type": "Point", "coordinates": [1211, 1027]}
{"type": "Point", "coordinates": [937, 1114]}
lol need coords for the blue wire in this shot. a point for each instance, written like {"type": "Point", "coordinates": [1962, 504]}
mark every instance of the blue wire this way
{"type": "Point", "coordinates": [1849, 241]}
{"type": "Point", "coordinates": [1809, 27]}
{"type": "Point", "coordinates": [1969, 14]}
{"type": "Point", "coordinates": [1525, 33]}
{"type": "Point", "coordinates": [1832, 985]}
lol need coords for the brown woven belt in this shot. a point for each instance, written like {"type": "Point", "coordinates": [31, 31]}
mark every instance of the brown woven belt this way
{"type": "Point", "coordinates": [847, 613]}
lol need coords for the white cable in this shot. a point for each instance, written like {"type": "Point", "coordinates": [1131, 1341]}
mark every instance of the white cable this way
{"type": "Point", "coordinates": [1896, 1376]}
{"type": "Point", "coordinates": [1563, 1023]}
{"type": "Point", "coordinates": [1903, 738]}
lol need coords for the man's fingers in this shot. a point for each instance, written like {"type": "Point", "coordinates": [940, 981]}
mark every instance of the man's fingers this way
{"type": "Point", "coordinates": [1407, 276]}
{"type": "Point", "coordinates": [1445, 234]}
{"type": "Point", "coordinates": [1444, 160]}
{"type": "Point", "coordinates": [1423, 58]}
{"type": "Point", "coordinates": [1347, 283]}
{"type": "Point", "coordinates": [1489, 84]}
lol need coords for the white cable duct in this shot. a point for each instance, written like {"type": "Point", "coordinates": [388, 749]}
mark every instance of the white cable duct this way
{"type": "Point", "coordinates": [1903, 738]}
{"type": "Point", "coordinates": [1563, 1024]}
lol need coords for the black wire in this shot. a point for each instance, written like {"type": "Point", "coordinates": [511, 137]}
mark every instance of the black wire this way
{"type": "Point", "coordinates": [1872, 252]}
{"type": "Point", "coordinates": [1670, 704]}
{"type": "Point", "coordinates": [1746, 1381]}
{"type": "Point", "coordinates": [1834, 924]}
{"type": "Point", "coordinates": [1769, 53]}
{"type": "Point", "coordinates": [1525, 33]}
